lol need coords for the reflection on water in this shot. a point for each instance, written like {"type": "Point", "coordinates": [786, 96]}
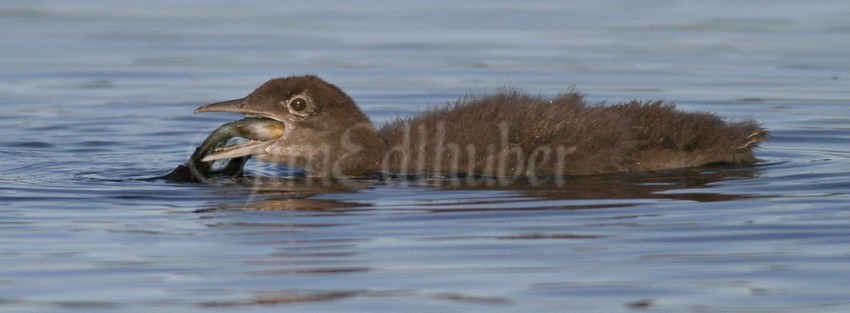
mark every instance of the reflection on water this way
{"type": "Point", "coordinates": [97, 97]}
{"type": "Point", "coordinates": [270, 193]}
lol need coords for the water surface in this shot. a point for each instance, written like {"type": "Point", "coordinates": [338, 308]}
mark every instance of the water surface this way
{"type": "Point", "coordinates": [95, 97]}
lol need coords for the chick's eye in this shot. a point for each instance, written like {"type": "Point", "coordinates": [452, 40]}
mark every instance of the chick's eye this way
{"type": "Point", "coordinates": [298, 104]}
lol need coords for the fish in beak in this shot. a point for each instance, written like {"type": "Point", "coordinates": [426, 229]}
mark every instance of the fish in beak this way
{"type": "Point", "coordinates": [260, 132]}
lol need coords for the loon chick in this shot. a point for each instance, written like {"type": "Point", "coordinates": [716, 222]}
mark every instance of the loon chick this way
{"type": "Point", "coordinates": [506, 134]}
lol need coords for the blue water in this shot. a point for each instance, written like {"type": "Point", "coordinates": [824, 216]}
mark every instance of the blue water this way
{"type": "Point", "coordinates": [95, 97]}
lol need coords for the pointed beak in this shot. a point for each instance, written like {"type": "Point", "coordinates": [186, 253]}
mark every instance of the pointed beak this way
{"type": "Point", "coordinates": [235, 106]}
